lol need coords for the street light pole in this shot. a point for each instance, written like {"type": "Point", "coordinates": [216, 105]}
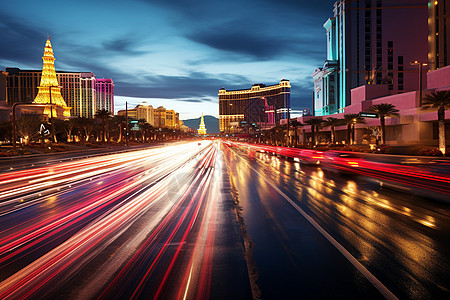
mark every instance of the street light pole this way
{"type": "Point", "coordinates": [421, 64]}
{"type": "Point", "coordinates": [126, 124]}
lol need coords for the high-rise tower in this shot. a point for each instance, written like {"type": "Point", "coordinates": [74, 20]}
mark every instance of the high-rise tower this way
{"type": "Point", "coordinates": [202, 128]}
{"type": "Point", "coordinates": [49, 90]}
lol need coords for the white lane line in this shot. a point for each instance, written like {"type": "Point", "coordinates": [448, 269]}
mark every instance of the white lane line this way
{"type": "Point", "coordinates": [375, 282]}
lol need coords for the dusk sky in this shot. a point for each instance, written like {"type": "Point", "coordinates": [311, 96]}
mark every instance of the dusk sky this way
{"type": "Point", "coordinates": [173, 53]}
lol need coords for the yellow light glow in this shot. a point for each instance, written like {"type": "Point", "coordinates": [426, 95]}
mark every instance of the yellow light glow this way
{"type": "Point", "coordinates": [49, 90]}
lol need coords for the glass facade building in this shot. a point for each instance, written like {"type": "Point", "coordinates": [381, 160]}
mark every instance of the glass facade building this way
{"type": "Point", "coordinates": [370, 42]}
{"type": "Point", "coordinates": [261, 106]}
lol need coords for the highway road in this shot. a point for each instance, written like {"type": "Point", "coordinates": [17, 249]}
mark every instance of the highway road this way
{"type": "Point", "coordinates": [212, 221]}
{"type": "Point", "coordinates": [317, 234]}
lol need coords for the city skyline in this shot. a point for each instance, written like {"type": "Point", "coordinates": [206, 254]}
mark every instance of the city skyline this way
{"type": "Point", "coordinates": [172, 54]}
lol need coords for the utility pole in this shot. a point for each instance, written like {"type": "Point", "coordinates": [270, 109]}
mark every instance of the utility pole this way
{"type": "Point", "coordinates": [126, 120]}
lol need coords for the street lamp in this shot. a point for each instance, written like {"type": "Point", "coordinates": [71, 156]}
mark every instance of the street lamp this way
{"type": "Point", "coordinates": [51, 112]}
{"type": "Point", "coordinates": [420, 64]}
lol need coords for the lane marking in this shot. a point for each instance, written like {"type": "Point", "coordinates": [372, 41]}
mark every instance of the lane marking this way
{"type": "Point", "coordinates": [366, 273]}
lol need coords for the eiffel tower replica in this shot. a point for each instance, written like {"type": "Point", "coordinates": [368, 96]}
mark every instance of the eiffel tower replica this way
{"type": "Point", "coordinates": [202, 128]}
{"type": "Point", "coordinates": [49, 91]}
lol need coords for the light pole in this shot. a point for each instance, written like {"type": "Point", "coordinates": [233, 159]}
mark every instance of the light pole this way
{"type": "Point", "coordinates": [51, 112]}
{"type": "Point", "coordinates": [421, 64]}
{"type": "Point", "coordinates": [126, 124]}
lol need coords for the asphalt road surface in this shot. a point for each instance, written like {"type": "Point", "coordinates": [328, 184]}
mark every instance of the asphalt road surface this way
{"type": "Point", "coordinates": [209, 221]}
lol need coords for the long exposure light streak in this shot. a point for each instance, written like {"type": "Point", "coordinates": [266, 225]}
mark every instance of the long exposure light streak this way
{"type": "Point", "coordinates": [93, 202]}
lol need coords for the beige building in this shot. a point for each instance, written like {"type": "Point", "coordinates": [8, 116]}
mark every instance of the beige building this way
{"type": "Point", "coordinates": [145, 112]}
{"type": "Point", "coordinates": [159, 117]}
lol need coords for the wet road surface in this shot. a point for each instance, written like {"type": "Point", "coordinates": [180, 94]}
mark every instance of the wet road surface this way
{"type": "Point", "coordinates": [400, 239]}
{"type": "Point", "coordinates": [210, 221]}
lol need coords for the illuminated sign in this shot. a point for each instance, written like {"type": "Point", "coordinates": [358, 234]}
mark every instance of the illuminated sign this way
{"type": "Point", "coordinates": [134, 125]}
{"type": "Point", "coordinates": [368, 115]}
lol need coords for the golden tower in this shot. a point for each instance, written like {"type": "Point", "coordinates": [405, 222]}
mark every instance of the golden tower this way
{"type": "Point", "coordinates": [202, 129]}
{"type": "Point", "coordinates": [49, 90]}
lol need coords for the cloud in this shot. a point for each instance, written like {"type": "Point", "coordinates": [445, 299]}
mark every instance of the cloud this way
{"type": "Point", "coordinates": [21, 41]}
{"type": "Point", "coordinates": [225, 37]}
{"type": "Point", "coordinates": [123, 46]}
{"type": "Point", "coordinates": [195, 85]}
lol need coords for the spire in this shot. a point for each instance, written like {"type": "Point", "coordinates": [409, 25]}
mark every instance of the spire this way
{"type": "Point", "coordinates": [202, 128]}
{"type": "Point", "coordinates": [49, 90]}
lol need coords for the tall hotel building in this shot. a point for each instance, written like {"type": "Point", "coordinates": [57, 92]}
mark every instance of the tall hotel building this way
{"type": "Point", "coordinates": [104, 94]}
{"type": "Point", "coordinates": [371, 42]}
{"type": "Point", "coordinates": [439, 33]}
{"type": "Point", "coordinates": [84, 93]}
{"type": "Point", "coordinates": [262, 105]}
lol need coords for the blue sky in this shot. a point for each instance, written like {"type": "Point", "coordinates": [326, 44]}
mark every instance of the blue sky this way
{"type": "Point", "coordinates": [172, 53]}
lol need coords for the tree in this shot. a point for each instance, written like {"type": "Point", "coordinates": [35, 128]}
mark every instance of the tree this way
{"type": "Point", "coordinates": [439, 100]}
{"type": "Point", "coordinates": [350, 120]}
{"type": "Point", "coordinates": [84, 127]}
{"type": "Point", "coordinates": [146, 129]}
{"type": "Point", "coordinates": [384, 110]}
{"type": "Point", "coordinates": [103, 115]}
{"type": "Point", "coordinates": [333, 122]}
{"type": "Point", "coordinates": [28, 127]}
{"type": "Point", "coordinates": [315, 123]}
{"type": "Point", "coordinates": [119, 122]}
{"type": "Point", "coordinates": [295, 125]}
{"type": "Point", "coordinates": [5, 131]}
{"type": "Point", "coordinates": [69, 129]}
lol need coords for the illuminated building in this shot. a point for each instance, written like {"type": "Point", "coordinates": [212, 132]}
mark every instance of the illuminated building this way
{"type": "Point", "coordinates": [264, 106]}
{"type": "Point", "coordinates": [172, 119]}
{"type": "Point", "coordinates": [415, 126]}
{"type": "Point", "coordinates": [145, 112]}
{"type": "Point", "coordinates": [81, 91]}
{"type": "Point", "coordinates": [132, 113]}
{"type": "Point", "coordinates": [49, 91]}
{"type": "Point", "coordinates": [104, 94]}
{"type": "Point", "coordinates": [3, 86]}
{"type": "Point", "coordinates": [370, 42]}
{"type": "Point", "coordinates": [159, 117]}
{"type": "Point", "coordinates": [202, 128]}
{"type": "Point", "coordinates": [438, 33]}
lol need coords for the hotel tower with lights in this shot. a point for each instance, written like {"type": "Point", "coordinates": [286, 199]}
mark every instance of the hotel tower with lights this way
{"type": "Point", "coordinates": [261, 106]}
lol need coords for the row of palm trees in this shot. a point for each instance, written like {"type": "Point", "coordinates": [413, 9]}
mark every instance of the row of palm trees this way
{"type": "Point", "coordinates": [439, 100]}
{"type": "Point", "coordinates": [103, 128]}
{"type": "Point", "coordinates": [349, 119]}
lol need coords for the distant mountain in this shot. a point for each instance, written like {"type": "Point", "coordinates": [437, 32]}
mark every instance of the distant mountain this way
{"type": "Point", "coordinates": [211, 123]}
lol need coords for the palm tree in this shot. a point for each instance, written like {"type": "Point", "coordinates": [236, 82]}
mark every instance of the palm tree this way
{"type": "Point", "coordinates": [145, 129]}
{"type": "Point", "coordinates": [441, 101]}
{"type": "Point", "coordinates": [350, 120]}
{"type": "Point", "coordinates": [295, 125]}
{"type": "Point", "coordinates": [103, 115]}
{"type": "Point", "coordinates": [69, 128]}
{"type": "Point", "coordinates": [333, 122]}
{"type": "Point", "coordinates": [119, 122]}
{"type": "Point", "coordinates": [315, 123]}
{"type": "Point", "coordinates": [384, 110]}
{"type": "Point", "coordinates": [84, 127]}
